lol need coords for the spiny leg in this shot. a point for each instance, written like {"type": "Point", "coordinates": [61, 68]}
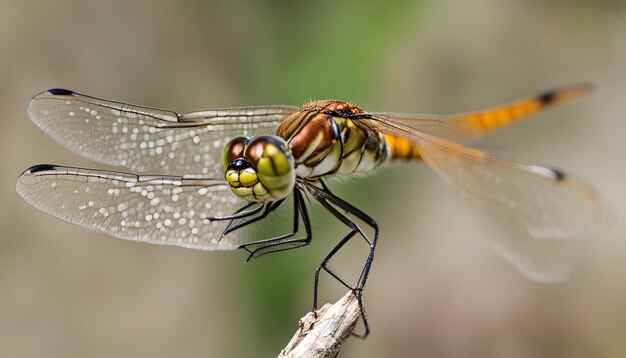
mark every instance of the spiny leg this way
{"type": "Point", "coordinates": [283, 243]}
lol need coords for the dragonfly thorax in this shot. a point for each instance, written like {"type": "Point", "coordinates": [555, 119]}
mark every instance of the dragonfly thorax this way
{"type": "Point", "coordinates": [259, 169]}
{"type": "Point", "coordinates": [327, 138]}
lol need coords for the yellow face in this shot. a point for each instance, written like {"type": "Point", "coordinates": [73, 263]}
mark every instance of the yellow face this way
{"type": "Point", "coordinates": [259, 169]}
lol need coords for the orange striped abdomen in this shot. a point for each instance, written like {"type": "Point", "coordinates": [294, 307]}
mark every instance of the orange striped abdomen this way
{"type": "Point", "coordinates": [483, 121]}
{"type": "Point", "coordinates": [489, 119]}
{"type": "Point", "coordinates": [401, 148]}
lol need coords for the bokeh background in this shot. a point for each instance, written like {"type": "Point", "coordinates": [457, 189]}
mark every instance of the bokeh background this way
{"type": "Point", "coordinates": [436, 290]}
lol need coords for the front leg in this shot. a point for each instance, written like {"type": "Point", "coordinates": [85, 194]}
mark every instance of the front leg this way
{"type": "Point", "coordinates": [269, 207]}
{"type": "Point", "coordinates": [284, 242]}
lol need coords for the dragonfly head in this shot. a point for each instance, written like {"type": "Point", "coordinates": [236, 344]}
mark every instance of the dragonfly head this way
{"type": "Point", "coordinates": [259, 169]}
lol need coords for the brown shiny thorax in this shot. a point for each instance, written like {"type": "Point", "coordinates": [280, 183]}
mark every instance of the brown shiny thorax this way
{"type": "Point", "coordinates": [323, 134]}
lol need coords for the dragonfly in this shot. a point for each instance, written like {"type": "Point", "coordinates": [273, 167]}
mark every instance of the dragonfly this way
{"type": "Point", "coordinates": [196, 179]}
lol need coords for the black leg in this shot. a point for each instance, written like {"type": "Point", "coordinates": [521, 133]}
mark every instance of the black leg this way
{"type": "Point", "coordinates": [269, 207]}
{"type": "Point", "coordinates": [241, 213]}
{"type": "Point", "coordinates": [368, 220]}
{"type": "Point", "coordinates": [330, 201]}
{"type": "Point", "coordinates": [283, 242]}
{"type": "Point", "coordinates": [335, 249]}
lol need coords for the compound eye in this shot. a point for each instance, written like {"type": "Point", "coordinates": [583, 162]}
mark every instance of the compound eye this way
{"type": "Point", "coordinates": [273, 163]}
{"type": "Point", "coordinates": [269, 155]}
{"type": "Point", "coordinates": [234, 149]}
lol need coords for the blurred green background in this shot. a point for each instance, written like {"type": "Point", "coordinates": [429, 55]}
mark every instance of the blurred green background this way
{"type": "Point", "coordinates": [436, 290]}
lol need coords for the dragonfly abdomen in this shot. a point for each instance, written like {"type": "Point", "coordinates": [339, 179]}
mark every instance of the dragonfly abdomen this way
{"type": "Point", "coordinates": [401, 148]}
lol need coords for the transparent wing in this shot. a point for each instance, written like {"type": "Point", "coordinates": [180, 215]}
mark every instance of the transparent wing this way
{"type": "Point", "coordinates": [164, 210]}
{"type": "Point", "coordinates": [525, 203]}
{"type": "Point", "coordinates": [148, 140]}
{"type": "Point", "coordinates": [437, 125]}
{"type": "Point", "coordinates": [468, 126]}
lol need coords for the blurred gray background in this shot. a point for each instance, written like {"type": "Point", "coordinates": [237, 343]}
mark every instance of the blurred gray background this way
{"type": "Point", "coordinates": [436, 290]}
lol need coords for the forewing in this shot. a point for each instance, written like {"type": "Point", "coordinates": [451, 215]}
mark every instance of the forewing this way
{"type": "Point", "coordinates": [437, 125]}
{"type": "Point", "coordinates": [525, 203]}
{"type": "Point", "coordinates": [148, 140]}
{"type": "Point", "coordinates": [165, 210]}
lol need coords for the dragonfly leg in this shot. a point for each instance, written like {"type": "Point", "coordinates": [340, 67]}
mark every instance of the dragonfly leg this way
{"type": "Point", "coordinates": [240, 213]}
{"type": "Point", "coordinates": [370, 222]}
{"type": "Point", "coordinates": [366, 219]}
{"type": "Point", "coordinates": [331, 203]}
{"type": "Point", "coordinates": [269, 207]}
{"type": "Point", "coordinates": [358, 289]}
{"type": "Point", "coordinates": [283, 242]}
{"type": "Point", "coordinates": [243, 213]}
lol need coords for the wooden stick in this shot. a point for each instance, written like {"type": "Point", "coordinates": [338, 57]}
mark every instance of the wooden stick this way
{"type": "Point", "coordinates": [323, 336]}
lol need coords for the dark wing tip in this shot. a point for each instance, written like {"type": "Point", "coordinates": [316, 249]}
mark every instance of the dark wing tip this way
{"type": "Point", "coordinates": [60, 92]}
{"type": "Point", "coordinates": [39, 168]}
{"type": "Point", "coordinates": [559, 175]}
{"type": "Point", "coordinates": [28, 178]}
{"type": "Point", "coordinates": [53, 92]}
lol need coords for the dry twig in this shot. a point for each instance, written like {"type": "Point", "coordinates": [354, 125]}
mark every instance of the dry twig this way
{"type": "Point", "coordinates": [323, 336]}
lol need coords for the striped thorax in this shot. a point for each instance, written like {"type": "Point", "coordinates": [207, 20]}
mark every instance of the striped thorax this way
{"type": "Point", "coordinates": [324, 139]}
